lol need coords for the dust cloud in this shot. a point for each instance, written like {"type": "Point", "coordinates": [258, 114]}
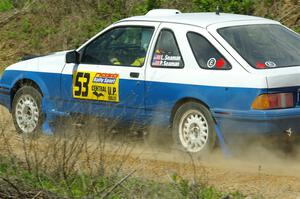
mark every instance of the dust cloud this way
{"type": "Point", "coordinates": [264, 166]}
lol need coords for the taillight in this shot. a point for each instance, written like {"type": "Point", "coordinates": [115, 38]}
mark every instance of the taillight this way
{"type": "Point", "coordinates": [273, 101]}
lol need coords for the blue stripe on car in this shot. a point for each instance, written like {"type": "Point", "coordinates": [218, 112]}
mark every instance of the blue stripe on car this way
{"type": "Point", "coordinates": [152, 102]}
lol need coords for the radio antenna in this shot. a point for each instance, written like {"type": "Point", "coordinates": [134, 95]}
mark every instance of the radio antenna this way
{"type": "Point", "coordinates": [218, 10]}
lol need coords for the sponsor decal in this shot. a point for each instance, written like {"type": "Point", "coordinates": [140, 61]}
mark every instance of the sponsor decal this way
{"type": "Point", "coordinates": [171, 64]}
{"type": "Point", "coordinates": [220, 63]}
{"type": "Point", "coordinates": [270, 64]}
{"type": "Point", "coordinates": [171, 58]}
{"type": "Point", "coordinates": [166, 60]}
{"type": "Point", "coordinates": [157, 57]}
{"type": "Point", "coordinates": [260, 65]}
{"type": "Point", "coordinates": [96, 86]}
{"type": "Point", "coordinates": [105, 78]}
{"type": "Point", "coordinates": [211, 62]}
{"type": "Point", "coordinates": [156, 63]}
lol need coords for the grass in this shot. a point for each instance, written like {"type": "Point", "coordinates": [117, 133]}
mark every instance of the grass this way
{"type": "Point", "coordinates": [84, 185]}
{"type": "Point", "coordinates": [297, 29]}
{"type": "Point", "coordinates": [6, 5]}
{"type": "Point", "coordinates": [73, 166]}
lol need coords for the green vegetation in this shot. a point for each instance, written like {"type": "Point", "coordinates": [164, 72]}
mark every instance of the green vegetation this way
{"type": "Point", "coordinates": [56, 25]}
{"type": "Point", "coordinates": [5, 5]}
{"type": "Point", "coordinates": [231, 6]}
{"type": "Point", "coordinates": [79, 185]}
{"type": "Point", "coordinates": [153, 4]}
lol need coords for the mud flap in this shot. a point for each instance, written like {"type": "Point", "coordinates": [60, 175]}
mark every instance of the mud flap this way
{"type": "Point", "coordinates": [50, 115]}
{"type": "Point", "coordinates": [225, 150]}
{"type": "Point", "coordinates": [46, 128]}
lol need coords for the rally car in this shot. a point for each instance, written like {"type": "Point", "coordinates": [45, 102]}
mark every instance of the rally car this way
{"type": "Point", "coordinates": [202, 74]}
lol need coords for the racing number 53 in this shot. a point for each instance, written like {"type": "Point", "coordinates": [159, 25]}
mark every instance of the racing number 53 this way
{"type": "Point", "coordinates": [82, 85]}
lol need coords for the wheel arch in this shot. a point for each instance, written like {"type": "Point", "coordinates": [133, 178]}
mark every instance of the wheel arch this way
{"type": "Point", "coordinates": [24, 82]}
{"type": "Point", "coordinates": [182, 101]}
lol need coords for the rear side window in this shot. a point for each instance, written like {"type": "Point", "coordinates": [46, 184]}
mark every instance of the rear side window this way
{"type": "Point", "coordinates": [166, 53]}
{"type": "Point", "coordinates": [207, 56]}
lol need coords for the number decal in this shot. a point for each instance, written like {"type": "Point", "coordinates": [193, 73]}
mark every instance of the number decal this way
{"type": "Point", "coordinates": [86, 85]}
{"type": "Point", "coordinates": [96, 86]}
{"type": "Point", "coordinates": [82, 84]}
{"type": "Point", "coordinates": [78, 84]}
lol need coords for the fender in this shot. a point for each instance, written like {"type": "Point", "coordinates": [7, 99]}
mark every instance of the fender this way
{"type": "Point", "coordinates": [33, 77]}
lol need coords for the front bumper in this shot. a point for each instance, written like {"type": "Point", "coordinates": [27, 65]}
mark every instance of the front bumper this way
{"type": "Point", "coordinates": [271, 122]}
{"type": "Point", "coordinates": [5, 98]}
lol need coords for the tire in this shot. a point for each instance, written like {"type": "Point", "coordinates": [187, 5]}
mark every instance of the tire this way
{"type": "Point", "coordinates": [194, 129]}
{"type": "Point", "coordinates": [26, 111]}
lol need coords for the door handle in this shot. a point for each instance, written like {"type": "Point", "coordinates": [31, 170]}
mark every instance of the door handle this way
{"type": "Point", "coordinates": [134, 75]}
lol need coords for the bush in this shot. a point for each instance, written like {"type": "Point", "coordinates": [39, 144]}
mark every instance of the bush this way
{"type": "Point", "coordinates": [153, 4]}
{"type": "Point", "coordinates": [6, 5]}
{"type": "Point", "coordinates": [297, 29]}
{"type": "Point", "coordinates": [231, 6]}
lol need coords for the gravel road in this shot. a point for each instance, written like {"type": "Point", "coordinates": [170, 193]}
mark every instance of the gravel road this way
{"type": "Point", "coordinates": [256, 172]}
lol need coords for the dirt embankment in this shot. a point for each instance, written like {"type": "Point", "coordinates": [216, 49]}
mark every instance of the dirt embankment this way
{"type": "Point", "coordinates": [256, 172]}
{"type": "Point", "coordinates": [42, 27]}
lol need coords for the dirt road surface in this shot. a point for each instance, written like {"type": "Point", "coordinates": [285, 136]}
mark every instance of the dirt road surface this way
{"type": "Point", "coordinates": [257, 172]}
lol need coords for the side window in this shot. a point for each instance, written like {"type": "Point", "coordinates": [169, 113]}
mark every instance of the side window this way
{"type": "Point", "coordinates": [125, 46]}
{"type": "Point", "coordinates": [207, 56]}
{"type": "Point", "coordinates": [166, 53]}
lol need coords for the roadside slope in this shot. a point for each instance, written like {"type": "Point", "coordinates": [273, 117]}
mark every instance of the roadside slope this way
{"type": "Point", "coordinates": [40, 27]}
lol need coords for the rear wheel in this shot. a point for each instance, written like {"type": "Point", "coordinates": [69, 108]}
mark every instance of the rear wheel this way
{"type": "Point", "coordinates": [194, 129]}
{"type": "Point", "coordinates": [26, 111]}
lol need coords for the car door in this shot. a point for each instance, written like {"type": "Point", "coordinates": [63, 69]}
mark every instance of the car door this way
{"type": "Point", "coordinates": [109, 81]}
{"type": "Point", "coordinates": [166, 67]}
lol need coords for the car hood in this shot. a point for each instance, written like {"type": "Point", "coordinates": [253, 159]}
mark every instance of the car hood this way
{"type": "Point", "coordinates": [52, 63]}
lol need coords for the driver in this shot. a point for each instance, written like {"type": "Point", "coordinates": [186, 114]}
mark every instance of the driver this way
{"type": "Point", "coordinates": [140, 59]}
{"type": "Point", "coordinates": [137, 62]}
{"type": "Point", "coordinates": [115, 61]}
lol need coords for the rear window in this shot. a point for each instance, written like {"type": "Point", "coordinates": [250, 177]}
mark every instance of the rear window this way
{"type": "Point", "coordinates": [264, 46]}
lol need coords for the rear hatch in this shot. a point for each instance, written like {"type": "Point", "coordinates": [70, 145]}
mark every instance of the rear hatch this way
{"type": "Point", "coordinates": [284, 80]}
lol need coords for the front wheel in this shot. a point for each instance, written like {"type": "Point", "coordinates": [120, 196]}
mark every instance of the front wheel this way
{"type": "Point", "coordinates": [194, 129]}
{"type": "Point", "coordinates": [26, 111]}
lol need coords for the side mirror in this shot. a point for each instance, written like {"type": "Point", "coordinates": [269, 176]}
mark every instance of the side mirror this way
{"type": "Point", "coordinates": [72, 57]}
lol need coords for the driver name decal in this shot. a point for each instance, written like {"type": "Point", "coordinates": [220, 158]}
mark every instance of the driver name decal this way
{"type": "Point", "coordinates": [166, 60]}
{"type": "Point", "coordinates": [96, 86]}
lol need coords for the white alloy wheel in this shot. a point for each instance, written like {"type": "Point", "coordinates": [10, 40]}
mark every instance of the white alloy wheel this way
{"type": "Point", "coordinates": [27, 113]}
{"type": "Point", "coordinates": [193, 131]}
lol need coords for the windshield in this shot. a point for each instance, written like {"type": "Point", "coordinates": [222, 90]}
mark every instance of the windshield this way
{"type": "Point", "coordinates": [264, 46]}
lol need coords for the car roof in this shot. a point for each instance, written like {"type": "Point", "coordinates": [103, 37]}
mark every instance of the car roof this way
{"type": "Point", "coordinates": [197, 19]}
